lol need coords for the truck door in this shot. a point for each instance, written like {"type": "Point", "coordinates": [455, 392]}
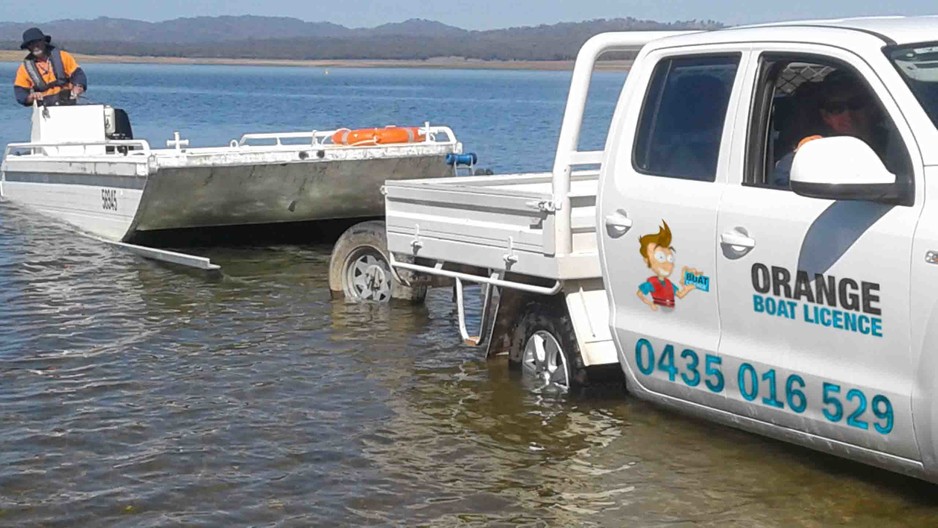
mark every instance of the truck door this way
{"type": "Point", "coordinates": [814, 293]}
{"type": "Point", "coordinates": [657, 221]}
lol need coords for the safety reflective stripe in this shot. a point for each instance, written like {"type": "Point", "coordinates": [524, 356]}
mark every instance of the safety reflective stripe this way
{"type": "Point", "coordinates": [341, 136]}
{"type": "Point", "coordinates": [40, 84]}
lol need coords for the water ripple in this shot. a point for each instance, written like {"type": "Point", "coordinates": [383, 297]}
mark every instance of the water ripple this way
{"type": "Point", "coordinates": [134, 394]}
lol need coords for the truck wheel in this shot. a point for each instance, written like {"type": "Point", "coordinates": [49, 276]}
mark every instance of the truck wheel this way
{"type": "Point", "coordinates": [359, 270]}
{"type": "Point", "coordinates": [544, 347]}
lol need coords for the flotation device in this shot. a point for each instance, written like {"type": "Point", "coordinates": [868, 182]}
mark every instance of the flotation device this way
{"type": "Point", "coordinates": [58, 67]}
{"type": "Point", "coordinates": [663, 292]}
{"type": "Point", "coordinates": [377, 136]}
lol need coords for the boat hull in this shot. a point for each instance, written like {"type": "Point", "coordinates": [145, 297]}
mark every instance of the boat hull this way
{"type": "Point", "coordinates": [120, 207]}
{"type": "Point", "coordinates": [102, 205]}
{"type": "Point", "coordinates": [197, 197]}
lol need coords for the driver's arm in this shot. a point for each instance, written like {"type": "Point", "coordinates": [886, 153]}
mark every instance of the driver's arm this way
{"type": "Point", "coordinates": [22, 86]}
{"type": "Point", "coordinates": [76, 75]}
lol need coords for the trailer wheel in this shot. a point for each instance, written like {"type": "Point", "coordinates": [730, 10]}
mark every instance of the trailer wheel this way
{"type": "Point", "coordinates": [359, 270]}
{"type": "Point", "coordinates": [544, 347]}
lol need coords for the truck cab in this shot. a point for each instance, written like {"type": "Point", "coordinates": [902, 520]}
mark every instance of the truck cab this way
{"type": "Point", "coordinates": [767, 249]}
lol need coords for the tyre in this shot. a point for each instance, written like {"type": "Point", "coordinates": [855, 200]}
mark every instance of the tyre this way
{"type": "Point", "coordinates": [359, 270]}
{"type": "Point", "coordinates": [544, 347]}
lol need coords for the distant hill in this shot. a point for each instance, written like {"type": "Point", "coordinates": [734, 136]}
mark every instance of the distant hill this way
{"type": "Point", "coordinates": [180, 30]}
{"type": "Point", "coordinates": [257, 37]}
{"type": "Point", "coordinates": [414, 27]}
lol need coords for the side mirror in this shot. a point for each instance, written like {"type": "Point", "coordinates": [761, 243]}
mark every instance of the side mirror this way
{"type": "Point", "coordinates": [844, 168]}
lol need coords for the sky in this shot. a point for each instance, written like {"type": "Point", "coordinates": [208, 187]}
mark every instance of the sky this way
{"type": "Point", "coordinates": [468, 14]}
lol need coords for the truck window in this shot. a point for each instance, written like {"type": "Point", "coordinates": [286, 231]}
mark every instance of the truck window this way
{"type": "Point", "coordinates": [918, 65]}
{"type": "Point", "coordinates": [683, 115]}
{"type": "Point", "coordinates": [799, 98]}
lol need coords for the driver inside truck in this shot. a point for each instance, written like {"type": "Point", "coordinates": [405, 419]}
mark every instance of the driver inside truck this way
{"type": "Point", "coordinates": [48, 75]}
{"type": "Point", "coordinates": [843, 106]}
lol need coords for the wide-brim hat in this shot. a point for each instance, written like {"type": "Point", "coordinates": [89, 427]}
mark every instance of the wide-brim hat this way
{"type": "Point", "coordinates": [32, 35]}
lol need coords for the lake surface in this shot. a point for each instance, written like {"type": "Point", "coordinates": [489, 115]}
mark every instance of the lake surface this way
{"type": "Point", "coordinates": [134, 394]}
{"type": "Point", "coordinates": [510, 118]}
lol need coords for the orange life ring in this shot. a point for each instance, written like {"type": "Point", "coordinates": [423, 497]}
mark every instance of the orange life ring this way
{"type": "Point", "coordinates": [377, 136]}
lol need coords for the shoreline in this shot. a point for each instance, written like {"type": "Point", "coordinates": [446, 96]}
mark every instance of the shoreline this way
{"type": "Point", "coordinates": [436, 63]}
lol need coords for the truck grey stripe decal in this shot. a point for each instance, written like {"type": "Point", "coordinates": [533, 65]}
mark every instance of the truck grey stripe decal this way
{"type": "Point", "coordinates": [93, 180]}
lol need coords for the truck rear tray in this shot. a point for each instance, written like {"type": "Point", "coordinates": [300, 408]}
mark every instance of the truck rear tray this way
{"type": "Point", "coordinates": [501, 223]}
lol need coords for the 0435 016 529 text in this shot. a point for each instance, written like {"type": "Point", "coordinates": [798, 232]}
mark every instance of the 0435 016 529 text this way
{"type": "Point", "coordinates": [850, 406]}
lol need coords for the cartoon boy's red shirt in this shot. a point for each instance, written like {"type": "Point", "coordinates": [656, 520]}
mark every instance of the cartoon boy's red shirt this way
{"type": "Point", "coordinates": [662, 291]}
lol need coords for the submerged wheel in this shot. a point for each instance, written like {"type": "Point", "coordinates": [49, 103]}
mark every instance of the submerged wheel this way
{"type": "Point", "coordinates": [543, 359]}
{"type": "Point", "coordinates": [545, 349]}
{"type": "Point", "coordinates": [359, 269]}
{"type": "Point", "coordinates": [367, 276]}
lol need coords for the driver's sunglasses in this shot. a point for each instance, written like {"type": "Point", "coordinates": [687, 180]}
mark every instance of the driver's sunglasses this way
{"type": "Point", "coordinates": [855, 103]}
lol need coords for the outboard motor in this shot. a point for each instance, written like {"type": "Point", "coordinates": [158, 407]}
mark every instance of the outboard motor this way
{"type": "Point", "coordinates": [117, 124]}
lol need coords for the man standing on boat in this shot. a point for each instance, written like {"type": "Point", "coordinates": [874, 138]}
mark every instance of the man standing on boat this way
{"type": "Point", "coordinates": [48, 74]}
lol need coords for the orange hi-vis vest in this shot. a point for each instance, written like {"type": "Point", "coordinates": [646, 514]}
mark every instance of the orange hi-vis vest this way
{"type": "Point", "coordinates": [47, 77]}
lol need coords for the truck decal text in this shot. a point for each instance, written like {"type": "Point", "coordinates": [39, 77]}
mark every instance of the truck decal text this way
{"type": "Point", "coordinates": [848, 406]}
{"type": "Point", "coordinates": [839, 303]}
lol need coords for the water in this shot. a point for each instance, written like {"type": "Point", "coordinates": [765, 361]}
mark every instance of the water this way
{"type": "Point", "coordinates": [510, 118]}
{"type": "Point", "coordinates": [134, 394]}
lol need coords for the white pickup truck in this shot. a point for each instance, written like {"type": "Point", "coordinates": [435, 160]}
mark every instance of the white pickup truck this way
{"type": "Point", "coordinates": [735, 270]}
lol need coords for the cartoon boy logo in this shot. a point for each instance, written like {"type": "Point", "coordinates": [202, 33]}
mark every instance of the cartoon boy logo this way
{"type": "Point", "coordinates": [658, 290]}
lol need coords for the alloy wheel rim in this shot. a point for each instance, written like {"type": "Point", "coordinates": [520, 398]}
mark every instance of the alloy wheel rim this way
{"type": "Point", "coordinates": [367, 276]}
{"type": "Point", "coordinates": [543, 360]}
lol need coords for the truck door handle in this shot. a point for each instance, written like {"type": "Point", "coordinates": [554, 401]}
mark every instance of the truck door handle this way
{"type": "Point", "coordinates": [618, 223]}
{"type": "Point", "coordinates": [737, 240]}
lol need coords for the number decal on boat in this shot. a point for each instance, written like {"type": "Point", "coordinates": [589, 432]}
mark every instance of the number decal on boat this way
{"type": "Point", "coordinates": [109, 199]}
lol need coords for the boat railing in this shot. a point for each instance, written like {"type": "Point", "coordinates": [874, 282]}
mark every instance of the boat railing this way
{"type": "Point", "coordinates": [121, 147]}
{"type": "Point", "coordinates": [437, 135]}
{"type": "Point", "coordinates": [434, 135]}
